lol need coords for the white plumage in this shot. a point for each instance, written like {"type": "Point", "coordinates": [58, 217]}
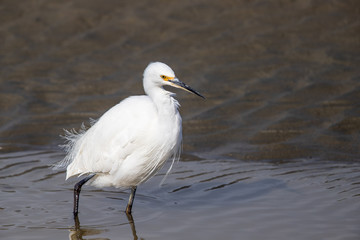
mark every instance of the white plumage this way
{"type": "Point", "coordinates": [133, 139]}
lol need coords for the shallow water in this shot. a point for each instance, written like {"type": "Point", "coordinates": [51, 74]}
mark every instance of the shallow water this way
{"type": "Point", "coordinates": [272, 153]}
{"type": "Point", "coordinates": [208, 199]}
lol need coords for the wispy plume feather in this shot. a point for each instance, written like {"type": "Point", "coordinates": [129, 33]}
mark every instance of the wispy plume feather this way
{"type": "Point", "coordinates": [71, 138]}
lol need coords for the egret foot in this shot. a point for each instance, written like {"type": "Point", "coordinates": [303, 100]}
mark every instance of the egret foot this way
{"type": "Point", "coordinates": [77, 189]}
{"type": "Point", "coordinates": [131, 200]}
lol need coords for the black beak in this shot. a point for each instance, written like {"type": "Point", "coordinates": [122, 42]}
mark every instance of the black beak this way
{"type": "Point", "coordinates": [178, 84]}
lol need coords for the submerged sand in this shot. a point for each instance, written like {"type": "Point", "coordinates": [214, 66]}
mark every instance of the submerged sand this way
{"type": "Point", "coordinates": [273, 152]}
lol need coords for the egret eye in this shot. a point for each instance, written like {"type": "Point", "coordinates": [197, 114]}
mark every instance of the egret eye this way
{"type": "Point", "coordinates": [93, 153]}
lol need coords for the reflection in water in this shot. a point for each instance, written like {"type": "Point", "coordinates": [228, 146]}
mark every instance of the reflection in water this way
{"type": "Point", "coordinates": [206, 199]}
{"type": "Point", "coordinates": [77, 232]}
{"type": "Point", "coordinates": [132, 225]}
{"type": "Point", "coordinates": [282, 110]}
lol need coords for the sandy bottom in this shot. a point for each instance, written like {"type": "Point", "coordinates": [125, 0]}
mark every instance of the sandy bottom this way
{"type": "Point", "coordinates": [272, 153]}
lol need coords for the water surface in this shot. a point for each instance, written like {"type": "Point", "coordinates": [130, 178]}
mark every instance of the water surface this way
{"type": "Point", "coordinates": [272, 153]}
{"type": "Point", "coordinates": [201, 199]}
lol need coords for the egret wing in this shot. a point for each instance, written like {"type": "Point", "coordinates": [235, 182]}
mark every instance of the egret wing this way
{"type": "Point", "coordinates": [113, 137]}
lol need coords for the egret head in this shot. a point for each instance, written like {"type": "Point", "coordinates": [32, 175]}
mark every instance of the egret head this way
{"type": "Point", "coordinates": [158, 74]}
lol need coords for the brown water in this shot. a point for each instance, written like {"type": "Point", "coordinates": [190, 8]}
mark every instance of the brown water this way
{"type": "Point", "coordinates": [272, 153]}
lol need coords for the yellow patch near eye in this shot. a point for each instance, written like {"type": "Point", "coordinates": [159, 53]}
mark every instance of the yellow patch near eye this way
{"type": "Point", "coordinates": [166, 78]}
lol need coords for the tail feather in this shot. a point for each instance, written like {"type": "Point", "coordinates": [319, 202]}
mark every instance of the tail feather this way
{"type": "Point", "coordinates": [71, 146]}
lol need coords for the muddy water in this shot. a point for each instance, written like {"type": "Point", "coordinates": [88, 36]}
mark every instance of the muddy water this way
{"type": "Point", "coordinates": [273, 152]}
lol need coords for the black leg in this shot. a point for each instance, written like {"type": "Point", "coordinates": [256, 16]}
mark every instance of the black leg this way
{"type": "Point", "coordinates": [131, 200]}
{"type": "Point", "coordinates": [77, 189]}
{"type": "Point", "coordinates": [77, 223]}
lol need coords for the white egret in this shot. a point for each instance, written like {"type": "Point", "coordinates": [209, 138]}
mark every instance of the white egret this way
{"type": "Point", "coordinates": [132, 140]}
